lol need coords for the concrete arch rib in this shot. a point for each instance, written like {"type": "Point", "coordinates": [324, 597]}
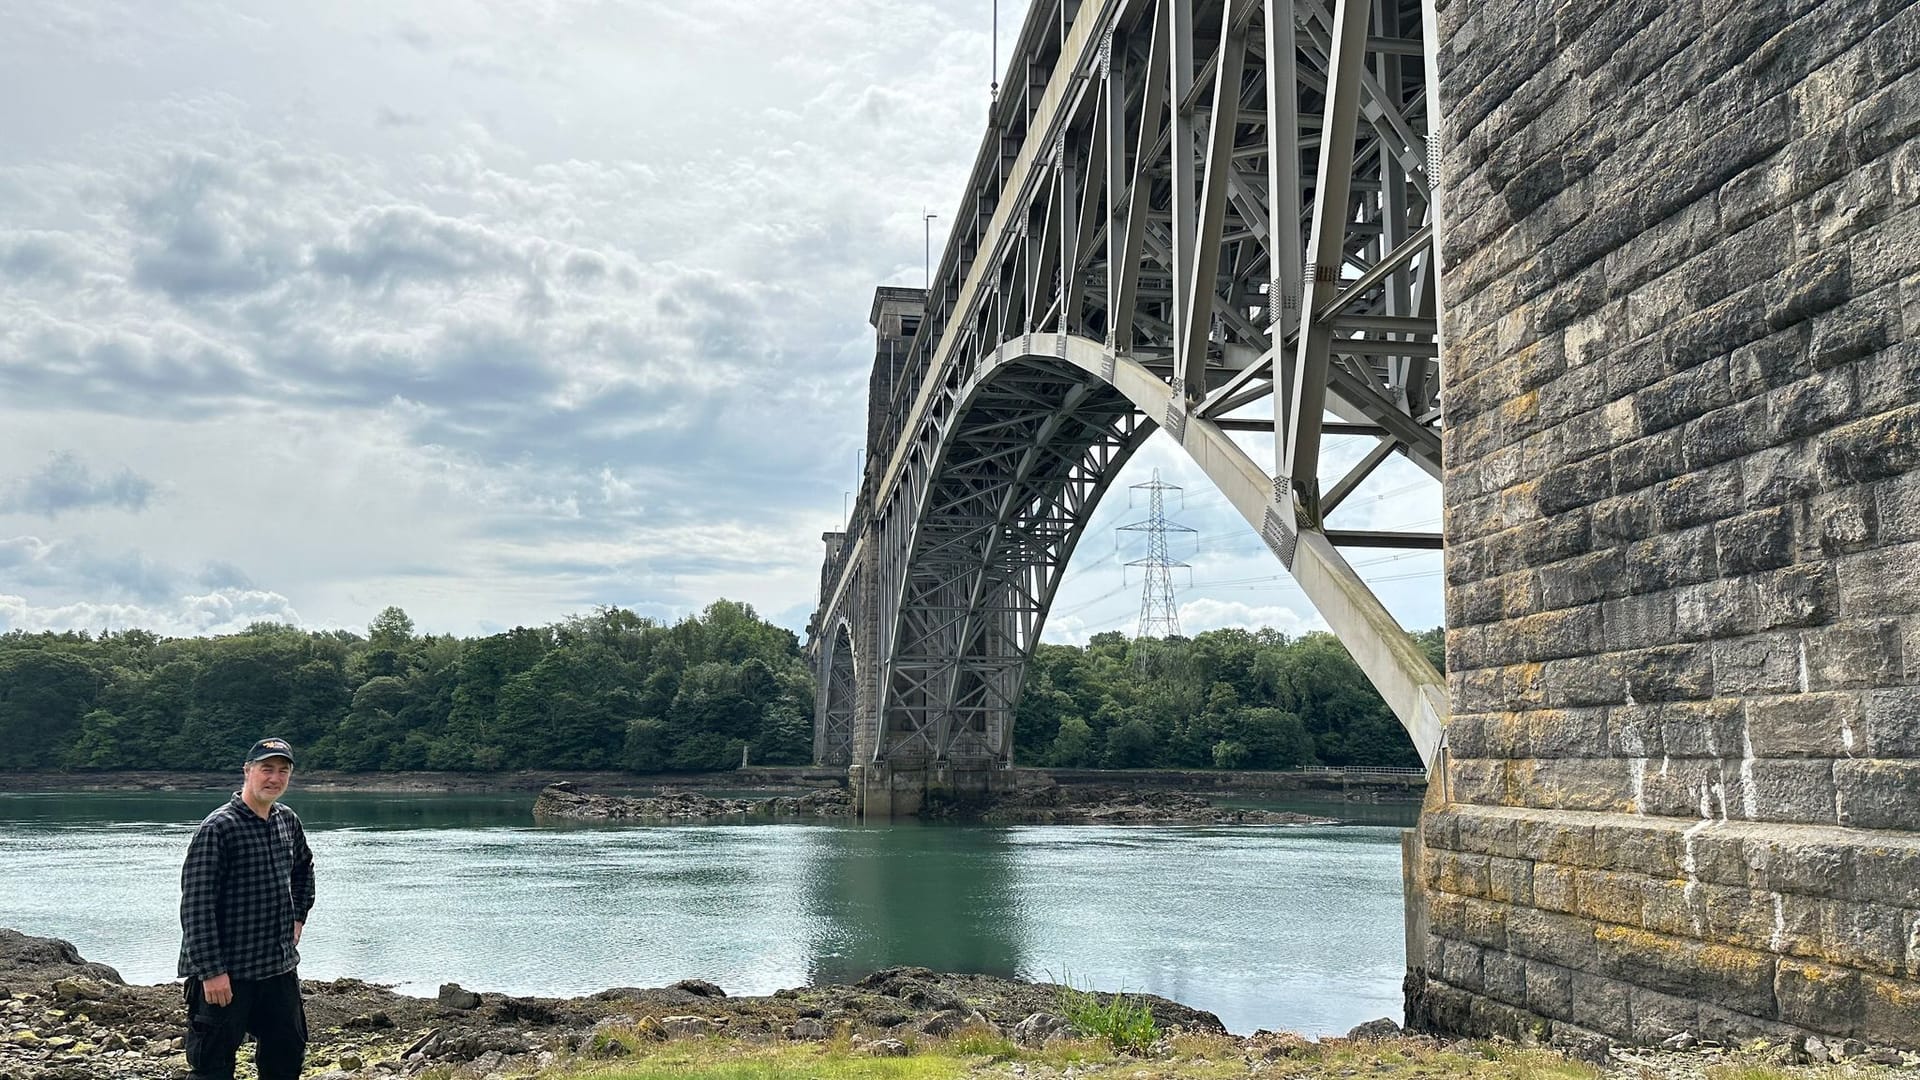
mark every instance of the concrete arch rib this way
{"type": "Point", "coordinates": [1412, 688]}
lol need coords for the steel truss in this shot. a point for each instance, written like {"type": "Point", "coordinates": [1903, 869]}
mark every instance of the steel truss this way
{"type": "Point", "coordinates": [833, 731]}
{"type": "Point", "coordinates": [1118, 264]}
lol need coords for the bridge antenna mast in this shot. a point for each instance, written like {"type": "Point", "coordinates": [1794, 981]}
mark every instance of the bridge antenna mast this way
{"type": "Point", "coordinates": [1159, 615]}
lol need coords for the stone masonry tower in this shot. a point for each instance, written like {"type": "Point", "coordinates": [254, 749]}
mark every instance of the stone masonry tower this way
{"type": "Point", "coordinates": [1682, 249]}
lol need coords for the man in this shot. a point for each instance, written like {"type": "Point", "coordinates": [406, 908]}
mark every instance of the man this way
{"type": "Point", "coordinates": [244, 895]}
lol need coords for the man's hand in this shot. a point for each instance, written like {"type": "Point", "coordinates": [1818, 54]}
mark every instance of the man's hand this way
{"type": "Point", "coordinates": [217, 990]}
{"type": "Point", "coordinates": [297, 927]}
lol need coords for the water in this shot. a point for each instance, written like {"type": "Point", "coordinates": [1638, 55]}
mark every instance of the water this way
{"type": "Point", "coordinates": [1267, 927]}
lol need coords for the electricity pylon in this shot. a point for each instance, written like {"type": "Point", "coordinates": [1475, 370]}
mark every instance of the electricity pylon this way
{"type": "Point", "coordinates": [1159, 616]}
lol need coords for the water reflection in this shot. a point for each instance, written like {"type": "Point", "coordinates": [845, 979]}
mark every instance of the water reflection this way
{"type": "Point", "coordinates": [942, 898]}
{"type": "Point", "coordinates": [1267, 927]}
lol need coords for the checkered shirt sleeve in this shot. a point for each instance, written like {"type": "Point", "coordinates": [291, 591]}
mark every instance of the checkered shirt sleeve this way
{"type": "Point", "coordinates": [245, 882]}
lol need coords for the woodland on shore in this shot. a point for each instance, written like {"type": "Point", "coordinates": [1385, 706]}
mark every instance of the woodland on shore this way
{"type": "Point", "coordinates": [616, 690]}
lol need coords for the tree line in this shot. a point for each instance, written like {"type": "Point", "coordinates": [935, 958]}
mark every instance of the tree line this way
{"type": "Point", "coordinates": [611, 690]}
{"type": "Point", "coordinates": [615, 690]}
{"type": "Point", "coordinates": [1229, 699]}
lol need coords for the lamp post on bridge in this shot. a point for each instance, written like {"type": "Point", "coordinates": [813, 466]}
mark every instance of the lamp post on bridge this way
{"type": "Point", "coordinates": [926, 230]}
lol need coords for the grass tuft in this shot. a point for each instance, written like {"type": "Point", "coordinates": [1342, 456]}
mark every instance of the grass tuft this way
{"type": "Point", "coordinates": [1124, 1021]}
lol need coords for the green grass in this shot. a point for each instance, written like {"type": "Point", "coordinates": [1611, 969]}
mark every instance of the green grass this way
{"type": "Point", "coordinates": [1124, 1021]}
{"type": "Point", "coordinates": [719, 1059]}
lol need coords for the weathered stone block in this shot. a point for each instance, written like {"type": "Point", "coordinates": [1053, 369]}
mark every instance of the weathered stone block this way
{"type": "Point", "coordinates": [1881, 582]}
{"type": "Point", "coordinates": [1740, 979]}
{"type": "Point", "coordinates": [1893, 722]}
{"type": "Point", "coordinates": [1796, 596]}
{"type": "Point", "coordinates": [1649, 846]}
{"type": "Point", "coordinates": [1611, 897]}
{"type": "Point", "coordinates": [1601, 1004]}
{"type": "Point", "coordinates": [1871, 937]}
{"type": "Point", "coordinates": [1859, 653]}
{"type": "Point", "coordinates": [1510, 881]}
{"type": "Point", "coordinates": [1696, 729]}
{"type": "Point", "coordinates": [1890, 1011]}
{"type": "Point", "coordinates": [1818, 996]}
{"type": "Point", "coordinates": [1804, 725]}
{"type": "Point", "coordinates": [1792, 790]}
{"type": "Point", "coordinates": [1504, 977]}
{"type": "Point", "coordinates": [1764, 664]}
{"type": "Point", "coordinates": [1553, 887]}
{"type": "Point", "coordinates": [1460, 965]}
{"type": "Point", "coordinates": [1556, 939]}
{"type": "Point", "coordinates": [1658, 1016]}
{"type": "Point", "coordinates": [1789, 863]}
{"type": "Point", "coordinates": [1556, 733]}
{"type": "Point", "coordinates": [1879, 794]}
{"type": "Point", "coordinates": [1762, 540]}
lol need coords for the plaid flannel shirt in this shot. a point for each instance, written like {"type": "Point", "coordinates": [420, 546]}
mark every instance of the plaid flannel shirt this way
{"type": "Point", "coordinates": [246, 881]}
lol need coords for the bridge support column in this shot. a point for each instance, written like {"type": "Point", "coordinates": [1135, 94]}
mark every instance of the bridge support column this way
{"type": "Point", "coordinates": [1683, 633]}
{"type": "Point", "coordinates": [883, 792]}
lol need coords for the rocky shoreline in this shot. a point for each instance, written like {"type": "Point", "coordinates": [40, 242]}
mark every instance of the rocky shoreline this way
{"type": "Point", "coordinates": [565, 800]}
{"type": "Point", "coordinates": [65, 1018]}
{"type": "Point", "coordinates": [1052, 804]}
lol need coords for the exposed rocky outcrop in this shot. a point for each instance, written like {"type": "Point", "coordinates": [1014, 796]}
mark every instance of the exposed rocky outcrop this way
{"type": "Point", "coordinates": [1101, 804]}
{"type": "Point", "coordinates": [566, 800]}
{"type": "Point", "coordinates": [62, 1018]}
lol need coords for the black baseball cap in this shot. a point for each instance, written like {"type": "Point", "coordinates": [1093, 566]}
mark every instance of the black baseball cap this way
{"type": "Point", "coordinates": [270, 747]}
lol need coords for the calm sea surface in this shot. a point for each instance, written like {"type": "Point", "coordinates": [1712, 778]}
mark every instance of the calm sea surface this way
{"type": "Point", "coordinates": [1268, 927]}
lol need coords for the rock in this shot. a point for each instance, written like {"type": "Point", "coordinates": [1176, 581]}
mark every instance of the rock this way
{"type": "Point", "coordinates": [1592, 1049]}
{"type": "Point", "coordinates": [423, 1044]}
{"type": "Point", "coordinates": [565, 800]}
{"type": "Point", "coordinates": [1815, 1049]}
{"type": "Point", "coordinates": [1382, 1028]}
{"type": "Point", "coordinates": [352, 1062]}
{"type": "Point", "coordinates": [1039, 1027]}
{"type": "Point", "coordinates": [1850, 1048]}
{"type": "Point", "coordinates": [686, 1027]}
{"type": "Point", "coordinates": [1883, 1055]}
{"type": "Point", "coordinates": [808, 1029]}
{"type": "Point", "coordinates": [948, 1021]}
{"type": "Point", "coordinates": [77, 990]}
{"type": "Point", "coordinates": [887, 1048]}
{"type": "Point", "coordinates": [699, 988]}
{"type": "Point", "coordinates": [1683, 1041]}
{"type": "Point", "coordinates": [455, 996]}
{"type": "Point", "coordinates": [378, 1020]}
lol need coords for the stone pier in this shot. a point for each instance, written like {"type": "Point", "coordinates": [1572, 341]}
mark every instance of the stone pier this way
{"type": "Point", "coordinates": [1682, 247]}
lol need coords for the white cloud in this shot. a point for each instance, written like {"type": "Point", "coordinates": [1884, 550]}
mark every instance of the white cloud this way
{"type": "Point", "coordinates": [532, 312]}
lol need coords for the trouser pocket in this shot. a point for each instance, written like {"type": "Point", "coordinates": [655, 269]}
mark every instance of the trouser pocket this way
{"type": "Point", "coordinates": [214, 1033]}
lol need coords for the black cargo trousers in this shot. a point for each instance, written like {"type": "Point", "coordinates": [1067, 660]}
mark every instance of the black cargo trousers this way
{"type": "Point", "coordinates": [268, 1009]}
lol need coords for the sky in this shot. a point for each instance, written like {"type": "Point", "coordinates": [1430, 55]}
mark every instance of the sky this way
{"type": "Point", "coordinates": [495, 312]}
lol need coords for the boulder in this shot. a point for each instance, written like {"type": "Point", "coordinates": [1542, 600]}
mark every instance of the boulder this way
{"type": "Point", "coordinates": [1382, 1028]}
{"type": "Point", "coordinates": [887, 1048]}
{"type": "Point", "coordinates": [1039, 1028]}
{"type": "Point", "coordinates": [699, 988]}
{"type": "Point", "coordinates": [688, 1027]}
{"type": "Point", "coordinates": [455, 996]}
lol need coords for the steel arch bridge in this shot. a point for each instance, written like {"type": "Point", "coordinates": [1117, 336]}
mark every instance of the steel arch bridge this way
{"type": "Point", "coordinates": [1206, 217]}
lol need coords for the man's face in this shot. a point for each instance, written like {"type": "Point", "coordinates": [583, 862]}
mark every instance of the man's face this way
{"type": "Point", "coordinates": [266, 780]}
